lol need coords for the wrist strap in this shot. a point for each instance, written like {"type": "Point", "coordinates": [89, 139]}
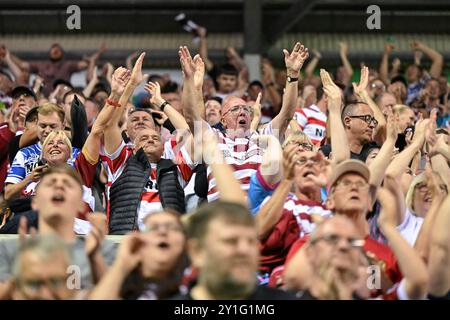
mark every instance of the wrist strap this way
{"type": "Point", "coordinates": [165, 104]}
{"type": "Point", "coordinates": [113, 103]}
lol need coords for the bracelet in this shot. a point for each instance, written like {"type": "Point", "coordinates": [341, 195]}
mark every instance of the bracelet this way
{"type": "Point", "coordinates": [113, 103]}
{"type": "Point", "coordinates": [165, 104]}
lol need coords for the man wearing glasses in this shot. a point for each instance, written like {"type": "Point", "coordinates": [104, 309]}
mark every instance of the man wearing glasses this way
{"type": "Point", "coordinates": [349, 196]}
{"type": "Point", "coordinates": [359, 124]}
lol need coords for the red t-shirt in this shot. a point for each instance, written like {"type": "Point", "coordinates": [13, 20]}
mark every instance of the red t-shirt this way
{"type": "Point", "coordinates": [295, 222]}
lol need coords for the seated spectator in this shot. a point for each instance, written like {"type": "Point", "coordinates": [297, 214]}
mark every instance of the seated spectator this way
{"type": "Point", "coordinates": [50, 118]}
{"type": "Point", "coordinates": [152, 272]}
{"type": "Point", "coordinates": [58, 201]}
{"type": "Point", "coordinates": [222, 245]}
{"type": "Point", "coordinates": [40, 270]}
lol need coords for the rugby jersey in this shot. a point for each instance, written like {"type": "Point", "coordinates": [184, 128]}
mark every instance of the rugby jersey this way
{"type": "Point", "coordinates": [313, 122]}
{"type": "Point", "coordinates": [243, 154]}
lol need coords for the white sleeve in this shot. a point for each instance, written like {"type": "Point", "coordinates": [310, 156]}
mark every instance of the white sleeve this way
{"type": "Point", "coordinates": [401, 292]}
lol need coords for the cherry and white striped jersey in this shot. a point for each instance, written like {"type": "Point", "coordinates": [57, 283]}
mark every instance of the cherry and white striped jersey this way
{"type": "Point", "coordinates": [115, 163]}
{"type": "Point", "coordinates": [313, 122]}
{"type": "Point", "coordinates": [243, 154]}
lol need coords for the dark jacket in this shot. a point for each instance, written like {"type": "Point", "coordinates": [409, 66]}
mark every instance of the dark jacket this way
{"type": "Point", "coordinates": [125, 193]}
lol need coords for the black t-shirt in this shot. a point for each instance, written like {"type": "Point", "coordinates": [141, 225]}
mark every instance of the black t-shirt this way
{"type": "Point", "coordinates": [14, 147]}
{"type": "Point", "coordinates": [326, 150]}
{"type": "Point", "coordinates": [260, 293]}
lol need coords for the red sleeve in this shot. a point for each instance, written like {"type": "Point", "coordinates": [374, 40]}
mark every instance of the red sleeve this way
{"type": "Point", "coordinates": [296, 246]}
{"type": "Point", "coordinates": [284, 234]}
{"type": "Point", "coordinates": [6, 136]}
{"type": "Point", "coordinates": [85, 169]}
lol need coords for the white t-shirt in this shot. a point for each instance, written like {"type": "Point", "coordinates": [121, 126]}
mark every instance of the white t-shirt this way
{"type": "Point", "coordinates": [410, 227]}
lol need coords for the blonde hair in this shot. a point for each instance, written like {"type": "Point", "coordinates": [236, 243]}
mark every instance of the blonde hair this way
{"type": "Point", "coordinates": [49, 108]}
{"type": "Point", "coordinates": [57, 134]}
{"type": "Point", "coordinates": [297, 134]}
{"type": "Point", "coordinates": [400, 108]}
{"type": "Point", "coordinates": [410, 195]}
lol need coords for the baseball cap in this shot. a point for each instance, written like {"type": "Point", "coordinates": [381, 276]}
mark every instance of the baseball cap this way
{"type": "Point", "coordinates": [349, 166]}
{"type": "Point", "coordinates": [17, 91]}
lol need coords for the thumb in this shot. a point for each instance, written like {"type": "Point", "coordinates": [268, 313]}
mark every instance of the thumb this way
{"type": "Point", "coordinates": [286, 53]}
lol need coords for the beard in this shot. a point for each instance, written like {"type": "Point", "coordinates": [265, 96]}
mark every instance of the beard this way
{"type": "Point", "coordinates": [225, 287]}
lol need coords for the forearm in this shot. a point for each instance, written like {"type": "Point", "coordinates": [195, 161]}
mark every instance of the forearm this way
{"type": "Point", "coordinates": [384, 68]}
{"type": "Point", "coordinates": [20, 63]}
{"type": "Point", "coordinates": [422, 244]}
{"type": "Point", "coordinates": [411, 264]}
{"type": "Point", "coordinates": [13, 190]}
{"type": "Point", "coordinates": [281, 121]}
{"type": "Point", "coordinates": [439, 165]}
{"type": "Point", "coordinates": [274, 97]}
{"type": "Point", "coordinates": [90, 87]}
{"type": "Point", "coordinates": [110, 284]}
{"type": "Point", "coordinates": [439, 258]}
{"type": "Point", "coordinates": [229, 188]}
{"type": "Point", "coordinates": [347, 65]}
{"type": "Point", "coordinates": [379, 116]}
{"type": "Point", "coordinates": [203, 52]}
{"type": "Point", "coordinates": [14, 68]}
{"type": "Point", "coordinates": [339, 141]}
{"type": "Point", "coordinates": [402, 160]}
{"type": "Point", "coordinates": [309, 70]}
{"type": "Point", "coordinates": [271, 212]}
{"type": "Point", "coordinates": [98, 266]}
{"type": "Point", "coordinates": [112, 134]}
{"type": "Point", "coordinates": [271, 165]}
{"type": "Point", "coordinates": [437, 61]}
{"type": "Point", "coordinates": [381, 162]}
{"type": "Point", "coordinates": [28, 137]}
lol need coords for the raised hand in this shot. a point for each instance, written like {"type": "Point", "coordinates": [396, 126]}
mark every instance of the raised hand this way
{"type": "Point", "coordinates": [119, 80]}
{"type": "Point", "coordinates": [392, 126]}
{"type": "Point", "coordinates": [361, 87]}
{"type": "Point", "coordinates": [289, 161]}
{"type": "Point", "coordinates": [388, 47]}
{"type": "Point", "coordinates": [388, 216]}
{"type": "Point", "coordinates": [294, 60]}
{"type": "Point", "coordinates": [257, 106]}
{"type": "Point", "coordinates": [129, 252]}
{"type": "Point", "coordinates": [95, 237]}
{"type": "Point", "coordinates": [343, 48]}
{"type": "Point", "coordinates": [417, 45]}
{"type": "Point", "coordinates": [316, 54]}
{"type": "Point", "coordinates": [155, 91]}
{"type": "Point", "coordinates": [136, 75]}
{"type": "Point", "coordinates": [193, 69]}
{"type": "Point", "coordinates": [332, 91]}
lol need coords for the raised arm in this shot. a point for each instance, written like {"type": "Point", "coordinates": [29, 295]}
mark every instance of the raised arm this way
{"type": "Point", "coordinates": [92, 60]}
{"type": "Point", "coordinates": [113, 136]}
{"type": "Point", "coordinates": [203, 48]}
{"type": "Point", "coordinates": [403, 159]}
{"type": "Point", "coordinates": [362, 93]}
{"type": "Point", "coordinates": [271, 212]}
{"type": "Point", "coordinates": [91, 147]}
{"type": "Point", "coordinates": [384, 65]}
{"type": "Point", "coordinates": [413, 268]}
{"type": "Point", "coordinates": [422, 244]}
{"type": "Point", "coordinates": [193, 74]}
{"type": "Point", "coordinates": [309, 70]}
{"type": "Point", "coordinates": [343, 53]}
{"type": "Point", "coordinates": [439, 258]}
{"type": "Point", "coordinates": [437, 60]}
{"type": "Point", "coordinates": [226, 183]}
{"type": "Point", "coordinates": [271, 93]}
{"type": "Point", "coordinates": [256, 107]}
{"type": "Point", "coordinates": [383, 159]}
{"type": "Point", "coordinates": [294, 62]}
{"type": "Point", "coordinates": [18, 74]}
{"type": "Point", "coordinates": [92, 83]}
{"type": "Point", "coordinates": [339, 145]}
{"type": "Point", "coordinates": [127, 259]}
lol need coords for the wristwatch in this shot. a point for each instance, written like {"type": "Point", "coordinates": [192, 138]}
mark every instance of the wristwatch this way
{"type": "Point", "coordinates": [291, 79]}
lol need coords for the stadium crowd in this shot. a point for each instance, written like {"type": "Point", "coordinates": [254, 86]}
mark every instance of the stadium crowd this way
{"type": "Point", "coordinates": [304, 185]}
